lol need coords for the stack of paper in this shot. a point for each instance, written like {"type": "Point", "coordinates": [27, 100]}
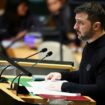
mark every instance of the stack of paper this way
{"type": "Point", "coordinates": [41, 88]}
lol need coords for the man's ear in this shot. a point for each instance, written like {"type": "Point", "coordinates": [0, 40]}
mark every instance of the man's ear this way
{"type": "Point", "coordinates": [96, 26]}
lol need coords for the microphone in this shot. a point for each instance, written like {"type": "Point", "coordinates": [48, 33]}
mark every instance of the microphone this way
{"type": "Point", "coordinates": [41, 51]}
{"type": "Point", "coordinates": [47, 55]}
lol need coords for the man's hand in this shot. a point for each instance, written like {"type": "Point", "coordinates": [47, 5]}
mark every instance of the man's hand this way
{"type": "Point", "coordinates": [54, 76]}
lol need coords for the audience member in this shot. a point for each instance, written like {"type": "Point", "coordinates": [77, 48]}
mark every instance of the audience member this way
{"type": "Point", "coordinates": [60, 17]}
{"type": "Point", "coordinates": [17, 20]}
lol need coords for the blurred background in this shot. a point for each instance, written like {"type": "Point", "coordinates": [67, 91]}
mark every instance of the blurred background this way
{"type": "Point", "coordinates": [27, 26]}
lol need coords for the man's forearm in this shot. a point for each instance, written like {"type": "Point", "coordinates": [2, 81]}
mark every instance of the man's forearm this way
{"type": "Point", "coordinates": [89, 90]}
{"type": "Point", "coordinates": [71, 76]}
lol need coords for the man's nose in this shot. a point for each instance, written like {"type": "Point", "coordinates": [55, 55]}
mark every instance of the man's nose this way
{"type": "Point", "coordinates": [75, 26]}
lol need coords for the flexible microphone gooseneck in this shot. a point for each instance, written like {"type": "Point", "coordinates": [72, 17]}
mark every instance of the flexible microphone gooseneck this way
{"type": "Point", "coordinates": [41, 51]}
{"type": "Point", "coordinates": [47, 55]}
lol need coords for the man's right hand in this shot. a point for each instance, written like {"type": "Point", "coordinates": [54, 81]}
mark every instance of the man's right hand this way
{"type": "Point", "coordinates": [53, 76]}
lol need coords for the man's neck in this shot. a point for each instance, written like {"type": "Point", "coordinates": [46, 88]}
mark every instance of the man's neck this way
{"type": "Point", "coordinates": [98, 35]}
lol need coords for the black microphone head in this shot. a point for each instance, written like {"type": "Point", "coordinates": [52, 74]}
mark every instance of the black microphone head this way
{"type": "Point", "coordinates": [44, 50]}
{"type": "Point", "coordinates": [49, 53]}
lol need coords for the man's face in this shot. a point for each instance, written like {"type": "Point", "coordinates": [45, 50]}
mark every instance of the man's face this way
{"type": "Point", "coordinates": [54, 5]}
{"type": "Point", "coordinates": [22, 9]}
{"type": "Point", "coordinates": [83, 26]}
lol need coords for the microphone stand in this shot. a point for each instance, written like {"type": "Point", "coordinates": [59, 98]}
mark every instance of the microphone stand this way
{"type": "Point", "coordinates": [11, 86]}
{"type": "Point", "coordinates": [18, 84]}
{"type": "Point", "coordinates": [19, 89]}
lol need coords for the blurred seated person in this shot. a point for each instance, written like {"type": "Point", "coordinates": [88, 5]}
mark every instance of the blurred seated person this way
{"type": "Point", "coordinates": [60, 18]}
{"type": "Point", "coordinates": [17, 20]}
{"type": "Point", "coordinates": [1, 16]}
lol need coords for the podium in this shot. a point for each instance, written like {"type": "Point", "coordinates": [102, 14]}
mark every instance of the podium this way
{"type": "Point", "coordinates": [9, 97]}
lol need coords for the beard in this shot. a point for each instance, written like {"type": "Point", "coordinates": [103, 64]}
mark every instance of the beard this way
{"type": "Point", "coordinates": [87, 35]}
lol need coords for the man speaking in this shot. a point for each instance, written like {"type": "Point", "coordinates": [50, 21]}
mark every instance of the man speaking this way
{"type": "Point", "coordinates": [90, 78]}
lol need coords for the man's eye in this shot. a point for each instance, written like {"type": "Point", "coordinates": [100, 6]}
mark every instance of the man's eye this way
{"type": "Point", "coordinates": [81, 23]}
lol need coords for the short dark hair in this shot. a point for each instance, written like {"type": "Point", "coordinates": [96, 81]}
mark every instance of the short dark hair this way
{"type": "Point", "coordinates": [94, 10]}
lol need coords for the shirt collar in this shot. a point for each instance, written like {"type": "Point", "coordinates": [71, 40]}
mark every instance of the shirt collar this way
{"type": "Point", "coordinates": [103, 33]}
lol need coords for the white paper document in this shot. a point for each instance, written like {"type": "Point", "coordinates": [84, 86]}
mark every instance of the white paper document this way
{"type": "Point", "coordinates": [42, 88]}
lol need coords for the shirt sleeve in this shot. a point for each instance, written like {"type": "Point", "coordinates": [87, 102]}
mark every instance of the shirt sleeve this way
{"type": "Point", "coordinates": [71, 76]}
{"type": "Point", "coordinates": [91, 90]}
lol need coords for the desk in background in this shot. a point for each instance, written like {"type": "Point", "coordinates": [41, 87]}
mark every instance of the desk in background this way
{"type": "Point", "coordinates": [24, 51]}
